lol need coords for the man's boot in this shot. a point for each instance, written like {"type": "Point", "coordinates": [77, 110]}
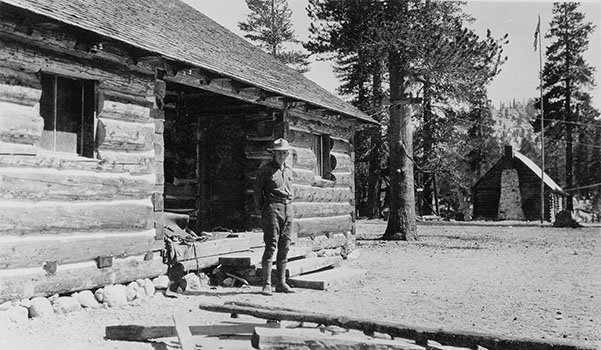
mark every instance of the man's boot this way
{"type": "Point", "coordinates": [266, 269]}
{"type": "Point", "coordinates": [282, 286]}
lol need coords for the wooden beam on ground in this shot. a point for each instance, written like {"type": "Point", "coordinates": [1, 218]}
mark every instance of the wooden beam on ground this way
{"type": "Point", "coordinates": [312, 339]}
{"type": "Point", "coordinates": [441, 335]}
{"type": "Point", "coordinates": [145, 333]}
{"type": "Point", "coordinates": [301, 266]}
{"type": "Point", "coordinates": [253, 257]}
{"type": "Point", "coordinates": [183, 333]}
{"type": "Point", "coordinates": [326, 280]}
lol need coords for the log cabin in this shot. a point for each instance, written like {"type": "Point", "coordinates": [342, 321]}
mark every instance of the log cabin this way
{"type": "Point", "coordinates": [113, 113]}
{"type": "Point", "coordinates": [511, 190]}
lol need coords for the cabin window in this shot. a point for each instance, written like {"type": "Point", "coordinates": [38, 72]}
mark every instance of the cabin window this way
{"type": "Point", "coordinates": [68, 107]}
{"type": "Point", "coordinates": [322, 145]}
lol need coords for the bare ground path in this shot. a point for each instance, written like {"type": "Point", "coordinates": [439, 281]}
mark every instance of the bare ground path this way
{"type": "Point", "coordinates": [520, 281]}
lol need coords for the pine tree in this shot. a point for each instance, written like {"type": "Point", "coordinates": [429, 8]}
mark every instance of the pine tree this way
{"type": "Point", "coordinates": [269, 24]}
{"type": "Point", "coordinates": [421, 43]}
{"type": "Point", "coordinates": [566, 75]}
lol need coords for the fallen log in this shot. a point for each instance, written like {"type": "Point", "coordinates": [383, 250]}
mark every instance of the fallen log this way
{"type": "Point", "coordinates": [183, 333]}
{"type": "Point", "coordinates": [417, 333]}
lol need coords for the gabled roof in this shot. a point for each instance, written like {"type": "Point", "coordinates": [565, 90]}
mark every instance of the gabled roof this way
{"type": "Point", "coordinates": [536, 169]}
{"type": "Point", "coordinates": [177, 31]}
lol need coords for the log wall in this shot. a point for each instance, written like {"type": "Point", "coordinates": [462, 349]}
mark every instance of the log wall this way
{"type": "Point", "coordinates": [67, 209]}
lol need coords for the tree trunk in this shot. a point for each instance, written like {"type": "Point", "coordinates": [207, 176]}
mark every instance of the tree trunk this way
{"type": "Point", "coordinates": [401, 221]}
{"type": "Point", "coordinates": [374, 179]}
{"type": "Point", "coordinates": [428, 142]}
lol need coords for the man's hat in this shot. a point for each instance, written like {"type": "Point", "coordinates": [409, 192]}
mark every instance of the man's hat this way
{"type": "Point", "coordinates": [280, 145]}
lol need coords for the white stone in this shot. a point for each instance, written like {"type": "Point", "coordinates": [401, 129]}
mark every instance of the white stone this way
{"type": "Point", "coordinates": [140, 282]}
{"type": "Point", "coordinates": [115, 295]}
{"type": "Point", "coordinates": [40, 307]}
{"type": "Point", "coordinates": [52, 298]}
{"type": "Point", "coordinates": [149, 287]}
{"type": "Point", "coordinates": [192, 281]}
{"type": "Point", "coordinates": [87, 299]}
{"type": "Point", "coordinates": [131, 291]}
{"type": "Point", "coordinates": [99, 294]}
{"type": "Point", "coordinates": [15, 314]}
{"type": "Point", "coordinates": [161, 282]}
{"type": "Point", "coordinates": [354, 254]}
{"type": "Point", "coordinates": [64, 305]}
{"type": "Point", "coordinates": [26, 303]}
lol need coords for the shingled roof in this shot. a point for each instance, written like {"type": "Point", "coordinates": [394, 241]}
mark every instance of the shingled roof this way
{"type": "Point", "coordinates": [177, 31]}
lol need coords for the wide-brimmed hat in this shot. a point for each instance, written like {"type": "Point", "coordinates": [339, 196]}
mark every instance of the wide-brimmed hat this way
{"type": "Point", "coordinates": [280, 145]}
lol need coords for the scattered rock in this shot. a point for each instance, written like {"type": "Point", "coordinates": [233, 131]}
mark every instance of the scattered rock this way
{"type": "Point", "coordinates": [99, 294]}
{"type": "Point", "coordinates": [115, 295]}
{"type": "Point", "coordinates": [40, 307]}
{"type": "Point", "coordinates": [354, 254]}
{"type": "Point", "coordinates": [140, 282]}
{"type": "Point", "coordinates": [64, 305]}
{"type": "Point", "coordinates": [192, 281]}
{"type": "Point", "coordinates": [6, 305]}
{"type": "Point", "coordinates": [161, 282]}
{"type": "Point", "coordinates": [131, 291]}
{"type": "Point", "coordinates": [150, 287]}
{"type": "Point", "coordinates": [52, 298]}
{"type": "Point", "coordinates": [87, 299]}
{"type": "Point", "coordinates": [228, 282]}
{"type": "Point", "coordinates": [15, 314]}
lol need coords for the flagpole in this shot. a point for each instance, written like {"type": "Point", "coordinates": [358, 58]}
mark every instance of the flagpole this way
{"type": "Point", "coordinates": [542, 126]}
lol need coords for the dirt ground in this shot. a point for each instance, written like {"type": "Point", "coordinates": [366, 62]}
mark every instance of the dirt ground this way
{"type": "Point", "coordinates": [542, 283]}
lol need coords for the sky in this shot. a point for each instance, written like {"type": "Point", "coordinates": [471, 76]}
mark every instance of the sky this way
{"type": "Point", "coordinates": [519, 77]}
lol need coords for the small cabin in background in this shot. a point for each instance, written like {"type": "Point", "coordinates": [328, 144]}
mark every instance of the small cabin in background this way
{"type": "Point", "coordinates": [511, 190]}
{"type": "Point", "coordinates": [115, 112]}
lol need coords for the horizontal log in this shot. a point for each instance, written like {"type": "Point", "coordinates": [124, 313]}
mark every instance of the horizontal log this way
{"type": "Point", "coordinates": [325, 241]}
{"type": "Point", "coordinates": [306, 227]}
{"type": "Point", "coordinates": [301, 138]}
{"type": "Point", "coordinates": [304, 193]}
{"type": "Point", "coordinates": [108, 94]}
{"type": "Point", "coordinates": [32, 282]}
{"type": "Point", "coordinates": [12, 76]}
{"type": "Point", "coordinates": [125, 111]}
{"type": "Point", "coordinates": [342, 146]}
{"type": "Point", "coordinates": [15, 155]}
{"type": "Point", "coordinates": [303, 177]}
{"type": "Point", "coordinates": [343, 162]}
{"type": "Point", "coordinates": [125, 136]}
{"type": "Point", "coordinates": [319, 209]}
{"type": "Point", "coordinates": [33, 251]}
{"type": "Point", "coordinates": [133, 162]}
{"type": "Point", "coordinates": [19, 149]}
{"type": "Point", "coordinates": [398, 330]}
{"type": "Point", "coordinates": [339, 129]}
{"type": "Point", "coordinates": [303, 158]}
{"type": "Point", "coordinates": [343, 179]}
{"type": "Point", "coordinates": [21, 95]}
{"type": "Point", "coordinates": [210, 248]}
{"type": "Point", "coordinates": [20, 124]}
{"type": "Point", "coordinates": [53, 184]}
{"type": "Point", "coordinates": [49, 217]}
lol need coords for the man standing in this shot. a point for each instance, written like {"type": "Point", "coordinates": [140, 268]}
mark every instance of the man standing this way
{"type": "Point", "coordinates": [273, 197]}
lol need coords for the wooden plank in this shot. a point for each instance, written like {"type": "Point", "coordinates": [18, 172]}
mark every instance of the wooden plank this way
{"type": "Point", "coordinates": [33, 251]}
{"type": "Point", "coordinates": [305, 193]}
{"type": "Point", "coordinates": [18, 217]}
{"type": "Point", "coordinates": [20, 124]}
{"type": "Point", "coordinates": [19, 149]}
{"type": "Point", "coordinates": [301, 266]}
{"type": "Point", "coordinates": [326, 280]}
{"type": "Point", "coordinates": [314, 339]}
{"type": "Point", "coordinates": [399, 330]}
{"type": "Point", "coordinates": [253, 257]}
{"type": "Point", "coordinates": [183, 333]}
{"type": "Point", "coordinates": [321, 225]}
{"type": "Point", "coordinates": [53, 184]}
{"type": "Point", "coordinates": [324, 241]}
{"type": "Point", "coordinates": [32, 282]}
{"type": "Point", "coordinates": [145, 333]}
{"type": "Point", "coordinates": [343, 179]}
{"type": "Point", "coordinates": [321, 209]}
{"type": "Point", "coordinates": [212, 247]}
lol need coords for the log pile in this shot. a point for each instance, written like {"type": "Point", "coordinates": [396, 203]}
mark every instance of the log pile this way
{"type": "Point", "coordinates": [295, 329]}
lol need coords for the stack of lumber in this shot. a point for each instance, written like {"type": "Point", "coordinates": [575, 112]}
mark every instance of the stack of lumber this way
{"type": "Point", "coordinates": [304, 269]}
{"type": "Point", "coordinates": [310, 331]}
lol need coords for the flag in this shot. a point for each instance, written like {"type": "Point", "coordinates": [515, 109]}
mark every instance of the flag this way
{"type": "Point", "coordinates": [536, 33]}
